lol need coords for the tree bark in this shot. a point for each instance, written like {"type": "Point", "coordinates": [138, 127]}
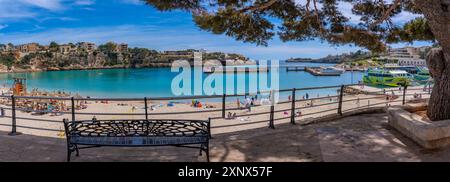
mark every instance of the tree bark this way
{"type": "Point", "coordinates": [437, 13]}
{"type": "Point", "coordinates": [439, 104]}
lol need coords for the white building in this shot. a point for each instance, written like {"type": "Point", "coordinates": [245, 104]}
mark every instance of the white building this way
{"type": "Point", "coordinates": [406, 52]}
{"type": "Point", "coordinates": [406, 56]}
{"type": "Point", "coordinates": [412, 62]}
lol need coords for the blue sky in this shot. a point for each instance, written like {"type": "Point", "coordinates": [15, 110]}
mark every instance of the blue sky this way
{"type": "Point", "coordinates": [139, 25]}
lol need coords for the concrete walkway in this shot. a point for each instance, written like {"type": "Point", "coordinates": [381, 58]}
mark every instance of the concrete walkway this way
{"type": "Point", "coordinates": [352, 139]}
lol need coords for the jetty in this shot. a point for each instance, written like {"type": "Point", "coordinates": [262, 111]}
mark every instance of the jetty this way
{"type": "Point", "coordinates": [316, 71]}
{"type": "Point", "coordinates": [296, 68]}
{"type": "Point", "coordinates": [236, 69]}
{"type": "Point", "coordinates": [356, 69]}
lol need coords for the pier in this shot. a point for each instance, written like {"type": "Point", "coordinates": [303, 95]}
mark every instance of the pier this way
{"type": "Point", "coordinates": [316, 71]}
{"type": "Point", "coordinates": [295, 68]}
{"type": "Point", "coordinates": [237, 70]}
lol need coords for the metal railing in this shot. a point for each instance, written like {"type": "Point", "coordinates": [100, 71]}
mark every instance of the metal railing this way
{"type": "Point", "coordinates": [292, 101]}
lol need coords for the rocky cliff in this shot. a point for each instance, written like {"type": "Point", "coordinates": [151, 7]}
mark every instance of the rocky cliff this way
{"type": "Point", "coordinates": [53, 61]}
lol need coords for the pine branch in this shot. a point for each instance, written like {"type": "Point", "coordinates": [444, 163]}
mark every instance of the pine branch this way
{"type": "Point", "coordinates": [260, 7]}
{"type": "Point", "coordinates": [386, 14]}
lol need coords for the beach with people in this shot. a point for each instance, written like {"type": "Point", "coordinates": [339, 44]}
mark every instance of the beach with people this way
{"type": "Point", "coordinates": [43, 117]}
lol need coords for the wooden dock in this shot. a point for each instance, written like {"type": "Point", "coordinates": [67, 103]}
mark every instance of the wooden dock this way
{"type": "Point", "coordinates": [229, 70]}
{"type": "Point", "coordinates": [295, 68]}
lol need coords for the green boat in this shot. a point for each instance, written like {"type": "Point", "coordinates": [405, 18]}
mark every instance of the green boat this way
{"type": "Point", "coordinates": [422, 75]}
{"type": "Point", "coordinates": [391, 78]}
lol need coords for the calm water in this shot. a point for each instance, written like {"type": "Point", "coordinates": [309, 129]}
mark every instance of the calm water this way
{"type": "Point", "coordinates": [155, 82]}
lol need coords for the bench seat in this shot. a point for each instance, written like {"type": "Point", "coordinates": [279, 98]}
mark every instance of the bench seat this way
{"type": "Point", "coordinates": [138, 140]}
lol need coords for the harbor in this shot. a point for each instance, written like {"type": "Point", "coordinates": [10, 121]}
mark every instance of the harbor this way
{"type": "Point", "coordinates": [316, 71]}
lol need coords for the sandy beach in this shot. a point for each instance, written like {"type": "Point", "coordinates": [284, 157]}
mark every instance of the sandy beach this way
{"type": "Point", "coordinates": [50, 125]}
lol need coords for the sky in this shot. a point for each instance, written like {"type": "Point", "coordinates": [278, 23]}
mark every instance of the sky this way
{"type": "Point", "coordinates": [140, 25]}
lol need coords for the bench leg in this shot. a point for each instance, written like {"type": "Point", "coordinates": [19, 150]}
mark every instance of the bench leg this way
{"type": "Point", "coordinates": [205, 148]}
{"type": "Point", "coordinates": [207, 152]}
{"type": "Point", "coordinates": [69, 153]}
{"type": "Point", "coordinates": [76, 150]}
{"type": "Point", "coordinates": [72, 148]}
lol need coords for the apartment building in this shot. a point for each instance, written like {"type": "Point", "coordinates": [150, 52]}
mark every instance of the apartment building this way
{"type": "Point", "coordinates": [87, 46]}
{"type": "Point", "coordinates": [28, 48]}
{"type": "Point", "coordinates": [407, 56]}
{"type": "Point", "coordinates": [122, 47]}
{"type": "Point", "coordinates": [67, 48]}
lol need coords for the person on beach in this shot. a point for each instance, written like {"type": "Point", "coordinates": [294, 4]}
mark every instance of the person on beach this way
{"type": "Point", "coordinates": [289, 98]}
{"type": "Point", "coordinates": [248, 104]}
{"type": "Point", "coordinates": [357, 101]}
{"type": "Point", "coordinates": [307, 96]}
{"type": "Point", "coordinates": [238, 103]}
{"type": "Point", "coordinates": [231, 115]}
{"type": "Point", "coordinates": [298, 113]}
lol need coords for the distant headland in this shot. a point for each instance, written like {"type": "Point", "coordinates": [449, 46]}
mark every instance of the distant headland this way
{"type": "Point", "coordinates": [335, 59]}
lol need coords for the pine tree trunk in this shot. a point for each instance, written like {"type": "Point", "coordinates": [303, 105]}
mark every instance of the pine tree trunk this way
{"type": "Point", "coordinates": [439, 105]}
{"type": "Point", "coordinates": [437, 12]}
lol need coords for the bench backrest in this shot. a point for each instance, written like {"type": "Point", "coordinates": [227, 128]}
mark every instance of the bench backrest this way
{"type": "Point", "coordinates": [137, 128]}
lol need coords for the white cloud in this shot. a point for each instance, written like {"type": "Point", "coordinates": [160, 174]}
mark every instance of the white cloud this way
{"type": "Point", "coordinates": [52, 5]}
{"type": "Point", "coordinates": [14, 9]}
{"type": "Point", "coordinates": [58, 18]}
{"type": "Point", "coordinates": [89, 9]}
{"type": "Point", "coordinates": [346, 10]}
{"type": "Point", "coordinates": [136, 2]}
{"type": "Point", "coordinates": [404, 17]}
{"type": "Point", "coordinates": [3, 26]}
{"type": "Point", "coordinates": [163, 38]}
{"type": "Point", "coordinates": [18, 9]}
{"type": "Point", "coordinates": [84, 2]}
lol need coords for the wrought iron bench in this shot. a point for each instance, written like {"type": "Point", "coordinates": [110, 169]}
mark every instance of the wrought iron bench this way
{"type": "Point", "coordinates": [137, 133]}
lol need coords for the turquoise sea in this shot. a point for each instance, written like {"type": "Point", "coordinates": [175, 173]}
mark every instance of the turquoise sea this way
{"type": "Point", "coordinates": [156, 82]}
